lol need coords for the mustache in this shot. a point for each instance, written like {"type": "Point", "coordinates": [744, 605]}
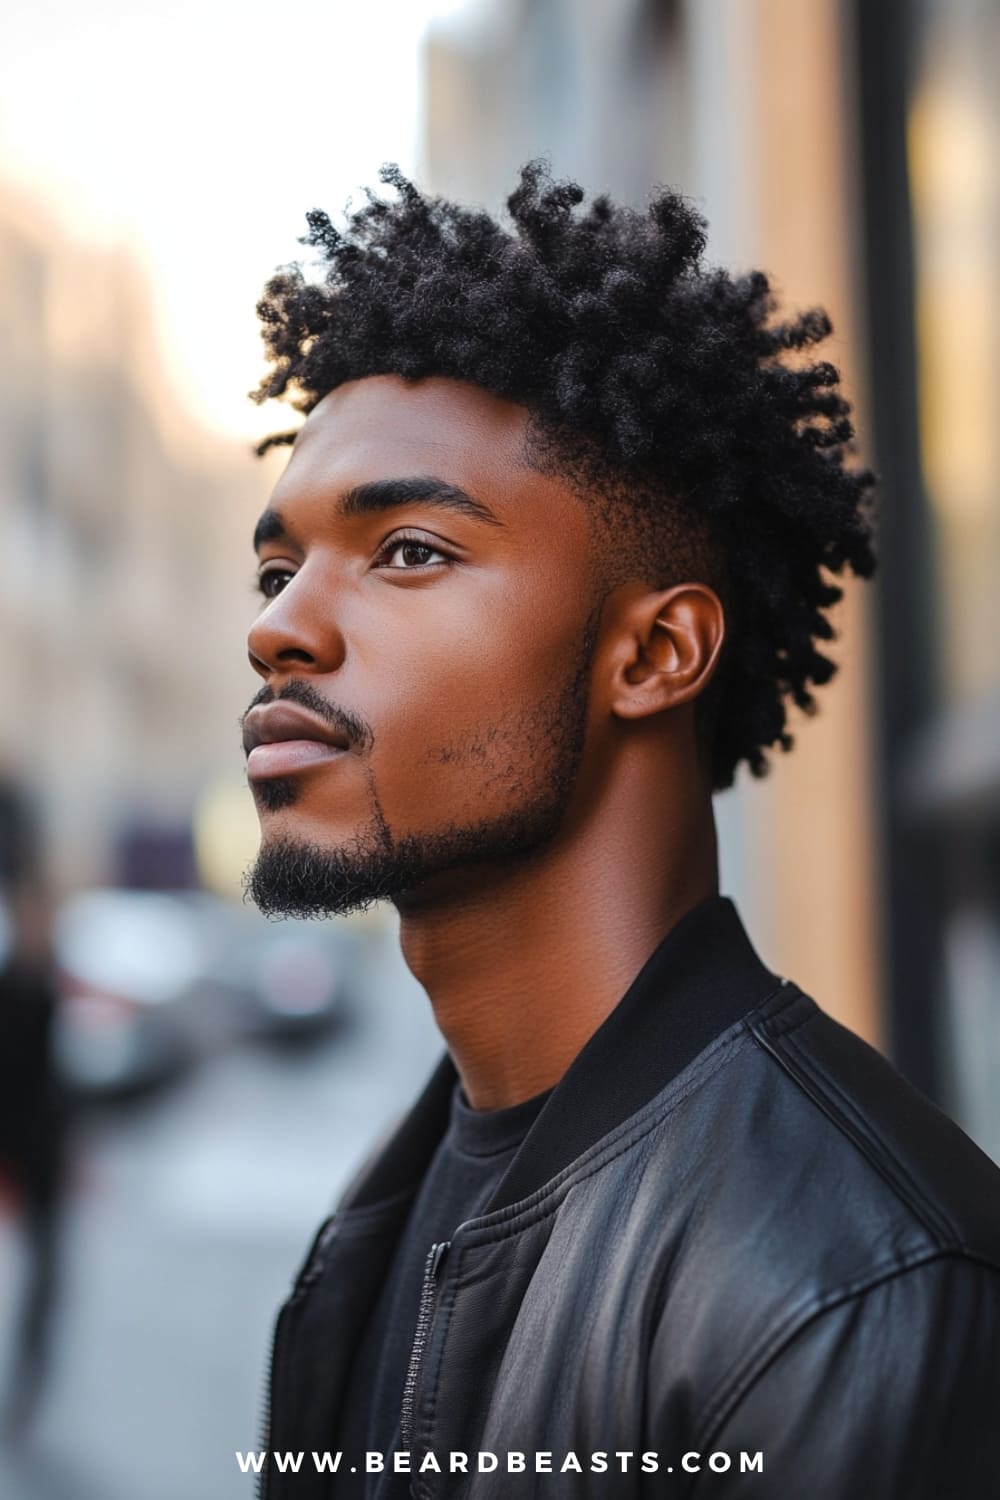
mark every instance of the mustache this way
{"type": "Point", "coordinates": [358, 731]}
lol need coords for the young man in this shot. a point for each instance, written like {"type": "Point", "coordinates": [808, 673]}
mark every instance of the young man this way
{"type": "Point", "coordinates": [552, 551]}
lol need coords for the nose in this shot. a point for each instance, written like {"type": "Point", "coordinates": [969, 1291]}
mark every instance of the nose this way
{"type": "Point", "coordinates": [295, 629]}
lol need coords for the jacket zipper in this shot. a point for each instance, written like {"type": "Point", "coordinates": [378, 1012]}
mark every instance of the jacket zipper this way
{"type": "Point", "coordinates": [432, 1266]}
{"type": "Point", "coordinates": [302, 1285]}
{"type": "Point", "coordinates": [265, 1418]}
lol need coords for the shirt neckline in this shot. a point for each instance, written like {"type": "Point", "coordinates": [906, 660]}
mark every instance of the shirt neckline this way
{"type": "Point", "coordinates": [487, 1132]}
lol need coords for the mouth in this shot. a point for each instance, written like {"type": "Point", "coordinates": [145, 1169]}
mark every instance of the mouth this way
{"type": "Point", "coordinates": [281, 739]}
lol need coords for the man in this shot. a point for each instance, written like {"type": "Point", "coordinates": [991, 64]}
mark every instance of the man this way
{"type": "Point", "coordinates": [551, 553]}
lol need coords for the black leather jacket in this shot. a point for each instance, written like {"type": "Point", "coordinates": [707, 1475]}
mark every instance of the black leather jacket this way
{"type": "Point", "coordinates": [733, 1229]}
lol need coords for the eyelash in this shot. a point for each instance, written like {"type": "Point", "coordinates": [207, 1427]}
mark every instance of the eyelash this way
{"type": "Point", "coordinates": [399, 539]}
{"type": "Point", "coordinates": [389, 546]}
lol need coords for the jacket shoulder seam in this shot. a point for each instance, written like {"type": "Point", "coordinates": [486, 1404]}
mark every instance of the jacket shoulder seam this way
{"type": "Point", "coordinates": [830, 1099]}
{"type": "Point", "coordinates": [722, 1406]}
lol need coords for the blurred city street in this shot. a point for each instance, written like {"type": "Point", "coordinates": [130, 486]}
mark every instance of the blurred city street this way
{"type": "Point", "coordinates": [188, 1212]}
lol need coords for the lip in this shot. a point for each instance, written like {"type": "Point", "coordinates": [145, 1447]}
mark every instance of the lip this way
{"type": "Point", "coordinates": [280, 738]}
{"type": "Point", "coordinates": [283, 757]}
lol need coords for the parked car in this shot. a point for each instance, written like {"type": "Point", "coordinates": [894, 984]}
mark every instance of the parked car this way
{"type": "Point", "coordinates": [282, 980]}
{"type": "Point", "coordinates": [126, 960]}
{"type": "Point", "coordinates": [152, 980]}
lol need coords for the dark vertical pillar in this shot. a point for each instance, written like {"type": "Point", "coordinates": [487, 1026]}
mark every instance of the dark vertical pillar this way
{"type": "Point", "coordinates": [906, 677]}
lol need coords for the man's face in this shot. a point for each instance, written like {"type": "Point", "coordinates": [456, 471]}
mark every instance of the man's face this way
{"type": "Point", "coordinates": [427, 603]}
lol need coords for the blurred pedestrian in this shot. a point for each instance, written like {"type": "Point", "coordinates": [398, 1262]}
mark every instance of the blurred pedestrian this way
{"type": "Point", "coordinates": [33, 1119]}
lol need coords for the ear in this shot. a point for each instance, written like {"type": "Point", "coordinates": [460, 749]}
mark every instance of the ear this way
{"type": "Point", "coordinates": [668, 647]}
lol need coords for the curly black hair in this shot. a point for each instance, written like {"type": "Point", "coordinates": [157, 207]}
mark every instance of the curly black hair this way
{"type": "Point", "coordinates": [663, 388]}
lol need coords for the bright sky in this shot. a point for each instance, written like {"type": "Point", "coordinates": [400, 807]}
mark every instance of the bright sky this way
{"type": "Point", "coordinates": [200, 132]}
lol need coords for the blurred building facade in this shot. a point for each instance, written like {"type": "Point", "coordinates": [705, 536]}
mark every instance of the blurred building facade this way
{"type": "Point", "coordinates": [127, 546]}
{"type": "Point", "coordinates": [821, 141]}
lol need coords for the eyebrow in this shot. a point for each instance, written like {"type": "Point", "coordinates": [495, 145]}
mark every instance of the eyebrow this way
{"type": "Point", "coordinates": [386, 494]}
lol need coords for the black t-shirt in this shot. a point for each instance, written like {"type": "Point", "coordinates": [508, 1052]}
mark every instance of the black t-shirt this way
{"type": "Point", "coordinates": [473, 1155]}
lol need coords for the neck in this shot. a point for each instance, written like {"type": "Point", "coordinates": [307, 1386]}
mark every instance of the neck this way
{"type": "Point", "coordinates": [523, 966]}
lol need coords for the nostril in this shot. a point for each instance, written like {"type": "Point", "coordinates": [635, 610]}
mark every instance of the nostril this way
{"type": "Point", "coordinates": [295, 653]}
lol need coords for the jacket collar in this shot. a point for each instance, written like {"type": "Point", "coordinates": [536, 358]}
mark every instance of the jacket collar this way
{"type": "Point", "coordinates": [703, 976]}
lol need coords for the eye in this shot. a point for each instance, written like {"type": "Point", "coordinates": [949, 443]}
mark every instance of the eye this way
{"type": "Point", "coordinates": [271, 581]}
{"type": "Point", "coordinates": [415, 552]}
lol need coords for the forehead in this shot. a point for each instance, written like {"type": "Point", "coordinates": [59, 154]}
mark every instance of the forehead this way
{"type": "Point", "coordinates": [384, 427]}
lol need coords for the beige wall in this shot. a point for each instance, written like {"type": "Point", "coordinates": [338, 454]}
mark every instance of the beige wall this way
{"type": "Point", "coordinates": [811, 822]}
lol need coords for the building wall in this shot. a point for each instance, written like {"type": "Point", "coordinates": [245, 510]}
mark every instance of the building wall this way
{"type": "Point", "coordinates": [128, 556]}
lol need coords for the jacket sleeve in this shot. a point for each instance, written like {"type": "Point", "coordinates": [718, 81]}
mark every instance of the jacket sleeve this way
{"type": "Point", "coordinates": [894, 1393]}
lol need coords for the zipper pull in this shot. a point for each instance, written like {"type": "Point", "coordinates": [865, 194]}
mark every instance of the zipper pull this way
{"type": "Point", "coordinates": [432, 1266]}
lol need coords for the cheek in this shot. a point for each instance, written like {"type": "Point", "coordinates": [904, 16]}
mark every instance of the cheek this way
{"type": "Point", "coordinates": [460, 725]}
